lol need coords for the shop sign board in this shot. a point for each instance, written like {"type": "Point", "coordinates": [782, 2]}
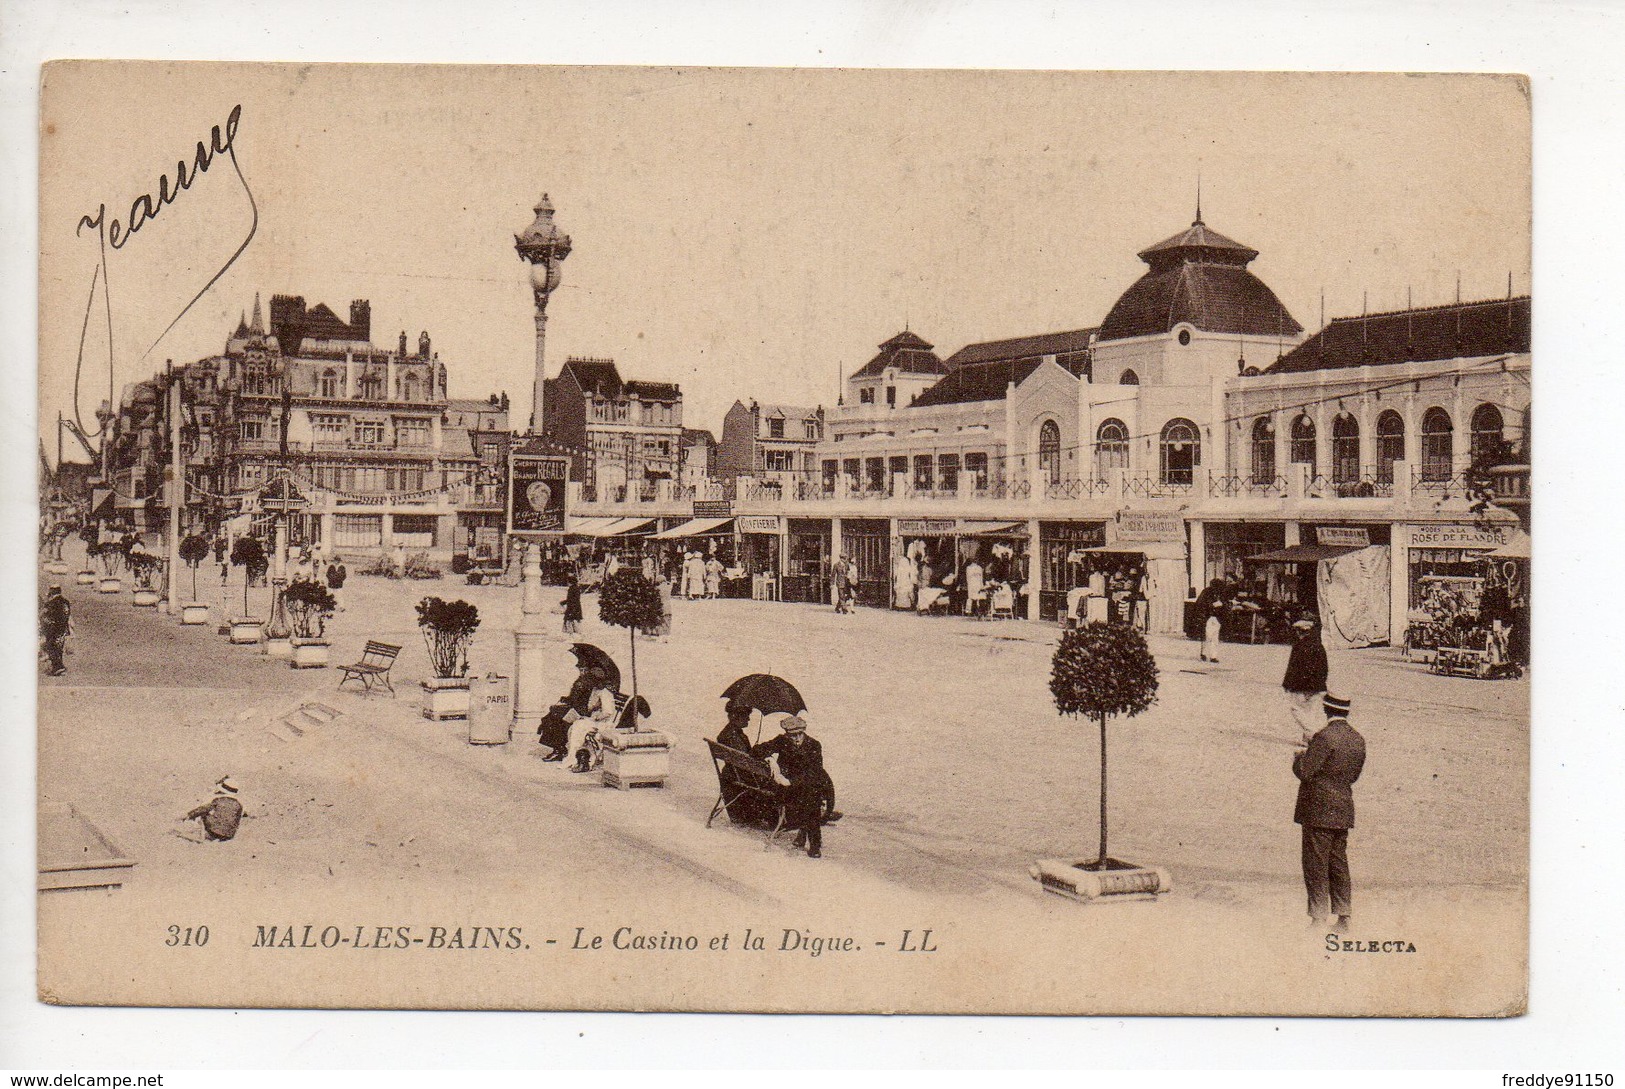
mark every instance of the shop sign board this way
{"type": "Point", "coordinates": [1343, 536]}
{"type": "Point", "coordinates": [757, 523]}
{"type": "Point", "coordinates": [1459, 535]}
{"type": "Point", "coordinates": [1077, 534]}
{"type": "Point", "coordinates": [536, 493]}
{"type": "Point", "coordinates": [925, 527]}
{"type": "Point", "coordinates": [713, 508]}
{"type": "Point", "coordinates": [1150, 525]}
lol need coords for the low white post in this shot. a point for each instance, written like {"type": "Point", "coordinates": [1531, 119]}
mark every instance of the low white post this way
{"type": "Point", "coordinates": [529, 645]}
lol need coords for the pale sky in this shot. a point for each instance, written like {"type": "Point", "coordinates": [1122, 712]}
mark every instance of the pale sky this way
{"type": "Point", "coordinates": [751, 232]}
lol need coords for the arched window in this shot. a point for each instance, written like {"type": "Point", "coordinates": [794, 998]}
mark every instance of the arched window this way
{"type": "Point", "coordinates": [1390, 444]}
{"type": "Point", "coordinates": [1345, 449]}
{"type": "Point", "coordinates": [328, 386]}
{"type": "Point", "coordinates": [1181, 452]}
{"type": "Point", "coordinates": [372, 386]}
{"type": "Point", "coordinates": [409, 388]}
{"type": "Point", "coordinates": [1111, 446]}
{"type": "Point", "coordinates": [1437, 444]}
{"type": "Point", "coordinates": [1488, 444]}
{"type": "Point", "coordinates": [1049, 450]}
{"type": "Point", "coordinates": [1263, 450]}
{"type": "Point", "coordinates": [1128, 378]}
{"type": "Point", "coordinates": [1303, 441]}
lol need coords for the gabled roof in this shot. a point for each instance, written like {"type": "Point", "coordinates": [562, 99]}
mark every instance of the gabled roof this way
{"type": "Point", "coordinates": [1454, 331]}
{"type": "Point", "coordinates": [906, 352]}
{"type": "Point", "coordinates": [789, 412]}
{"type": "Point", "coordinates": [697, 436]}
{"type": "Point", "coordinates": [989, 351]}
{"type": "Point", "coordinates": [594, 376]}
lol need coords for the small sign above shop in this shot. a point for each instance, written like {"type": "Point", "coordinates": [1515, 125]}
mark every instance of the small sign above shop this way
{"type": "Point", "coordinates": [1343, 536]}
{"type": "Point", "coordinates": [1458, 536]}
{"type": "Point", "coordinates": [1150, 525]}
{"type": "Point", "coordinates": [757, 523]}
{"type": "Point", "coordinates": [713, 508]}
{"type": "Point", "coordinates": [925, 527]}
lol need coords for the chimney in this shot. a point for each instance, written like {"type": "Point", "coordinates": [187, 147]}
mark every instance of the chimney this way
{"type": "Point", "coordinates": [361, 319]}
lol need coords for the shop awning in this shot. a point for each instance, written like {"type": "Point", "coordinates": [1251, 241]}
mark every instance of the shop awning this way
{"type": "Point", "coordinates": [607, 527]}
{"type": "Point", "coordinates": [694, 527]}
{"type": "Point", "coordinates": [971, 527]}
{"type": "Point", "coordinates": [1151, 550]}
{"type": "Point", "coordinates": [1302, 553]}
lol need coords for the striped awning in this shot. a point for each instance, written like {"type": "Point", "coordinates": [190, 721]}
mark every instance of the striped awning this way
{"type": "Point", "coordinates": [607, 527]}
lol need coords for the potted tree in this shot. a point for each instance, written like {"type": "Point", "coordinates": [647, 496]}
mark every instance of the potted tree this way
{"type": "Point", "coordinates": [248, 554]}
{"type": "Point", "coordinates": [144, 566]}
{"type": "Point", "coordinates": [310, 605]}
{"type": "Point", "coordinates": [632, 755]}
{"type": "Point", "coordinates": [87, 574]}
{"type": "Point", "coordinates": [194, 550]}
{"type": "Point", "coordinates": [448, 630]}
{"type": "Point", "coordinates": [1101, 671]}
{"type": "Point", "coordinates": [111, 555]}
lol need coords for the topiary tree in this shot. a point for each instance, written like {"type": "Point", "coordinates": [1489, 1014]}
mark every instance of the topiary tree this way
{"type": "Point", "coordinates": [1100, 671]}
{"type": "Point", "coordinates": [194, 550]}
{"type": "Point", "coordinates": [448, 629]}
{"type": "Point", "coordinates": [628, 600]}
{"type": "Point", "coordinates": [143, 565]}
{"type": "Point", "coordinates": [309, 605]}
{"type": "Point", "coordinates": [249, 554]}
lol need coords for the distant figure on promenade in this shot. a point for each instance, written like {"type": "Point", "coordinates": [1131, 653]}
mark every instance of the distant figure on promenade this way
{"type": "Point", "coordinates": [56, 624]}
{"type": "Point", "coordinates": [397, 561]}
{"type": "Point", "coordinates": [904, 581]}
{"type": "Point", "coordinates": [1326, 769]}
{"type": "Point", "coordinates": [1210, 607]}
{"type": "Point", "coordinates": [837, 583]}
{"type": "Point", "coordinates": [713, 578]}
{"type": "Point", "coordinates": [798, 761]}
{"type": "Point", "coordinates": [221, 814]}
{"type": "Point", "coordinates": [975, 586]}
{"type": "Point", "coordinates": [572, 604]}
{"type": "Point", "coordinates": [336, 574]}
{"type": "Point", "coordinates": [1305, 680]}
{"type": "Point", "coordinates": [693, 575]}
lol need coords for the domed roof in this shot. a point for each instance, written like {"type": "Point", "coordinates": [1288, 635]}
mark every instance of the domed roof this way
{"type": "Point", "coordinates": [1198, 277]}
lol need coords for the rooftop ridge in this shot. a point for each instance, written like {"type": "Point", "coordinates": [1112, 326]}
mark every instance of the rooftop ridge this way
{"type": "Point", "coordinates": [1429, 309]}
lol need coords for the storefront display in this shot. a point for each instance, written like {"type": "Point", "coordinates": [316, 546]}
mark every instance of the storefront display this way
{"type": "Point", "coordinates": [867, 543]}
{"type": "Point", "coordinates": [806, 571]}
{"type": "Point", "coordinates": [1063, 564]}
{"type": "Point", "coordinates": [932, 571]}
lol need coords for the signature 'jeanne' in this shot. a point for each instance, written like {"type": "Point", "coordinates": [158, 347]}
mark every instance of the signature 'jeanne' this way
{"type": "Point", "coordinates": [144, 207]}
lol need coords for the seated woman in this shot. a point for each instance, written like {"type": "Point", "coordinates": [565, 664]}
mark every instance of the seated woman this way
{"type": "Point", "coordinates": [743, 807]}
{"type": "Point", "coordinates": [554, 730]}
{"type": "Point", "coordinates": [603, 714]}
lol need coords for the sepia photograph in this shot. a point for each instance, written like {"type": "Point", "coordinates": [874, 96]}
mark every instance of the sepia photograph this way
{"type": "Point", "coordinates": [784, 540]}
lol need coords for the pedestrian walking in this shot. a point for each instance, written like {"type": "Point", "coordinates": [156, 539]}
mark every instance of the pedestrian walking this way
{"type": "Point", "coordinates": [572, 605]}
{"type": "Point", "coordinates": [1210, 607]}
{"type": "Point", "coordinates": [336, 574]}
{"type": "Point", "coordinates": [1305, 680]}
{"type": "Point", "coordinates": [56, 624]}
{"type": "Point", "coordinates": [840, 579]}
{"type": "Point", "coordinates": [1327, 767]}
{"type": "Point", "coordinates": [713, 578]}
{"type": "Point", "coordinates": [693, 575]}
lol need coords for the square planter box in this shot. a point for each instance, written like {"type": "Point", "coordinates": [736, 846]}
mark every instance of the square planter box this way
{"type": "Point", "coordinates": [636, 758]}
{"type": "Point", "coordinates": [445, 698]}
{"type": "Point", "coordinates": [85, 578]}
{"type": "Point", "coordinates": [112, 584]}
{"type": "Point", "coordinates": [145, 599]}
{"type": "Point", "coordinates": [310, 654]}
{"type": "Point", "coordinates": [194, 612]}
{"type": "Point", "coordinates": [1118, 882]}
{"type": "Point", "coordinates": [56, 567]}
{"type": "Point", "coordinates": [246, 630]}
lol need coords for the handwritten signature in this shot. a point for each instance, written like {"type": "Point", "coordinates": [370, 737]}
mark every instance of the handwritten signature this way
{"type": "Point", "coordinates": [147, 207]}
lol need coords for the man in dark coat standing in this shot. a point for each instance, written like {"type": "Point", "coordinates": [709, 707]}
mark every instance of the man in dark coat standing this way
{"type": "Point", "coordinates": [1305, 680]}
{"type": "Point", "coordinates": [1326, 771]}
{"type": "Point", "coordinates": [56, 624]}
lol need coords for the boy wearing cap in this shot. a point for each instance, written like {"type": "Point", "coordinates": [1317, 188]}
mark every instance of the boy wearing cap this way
{"type": "Point", "coordinates": [1305, 680]}
{"type": "Point", "coordinates": [800, 762]}
{"type": "Point", "coordinates": [1327, 767]}
{"type": "Point", "coordinates": [221, 814]}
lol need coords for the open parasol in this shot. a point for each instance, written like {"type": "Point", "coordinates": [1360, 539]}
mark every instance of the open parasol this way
{"type": "Point", "coordinates": [599, 661]}
{"type": "Point", "coordinates": [766, 693]}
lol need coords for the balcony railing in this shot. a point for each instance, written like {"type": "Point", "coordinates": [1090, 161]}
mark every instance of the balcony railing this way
{"type": "Point", "coordinates": [1077, 488]}
{"type": "Point", "coordinates": [1149, 485]}
{"type": "Point", "coordinates": [1226, 486]}
{"type": "Point", "coordinates": [1437, 482]}
{"type": "Point", "coordinates": [1366, 484]}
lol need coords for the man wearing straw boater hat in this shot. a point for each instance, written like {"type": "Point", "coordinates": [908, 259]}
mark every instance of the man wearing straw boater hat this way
{"type": "Point", "coordinates": [1326, 769]}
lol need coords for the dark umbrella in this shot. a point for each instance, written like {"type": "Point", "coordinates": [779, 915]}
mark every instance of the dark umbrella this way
{"type": "Point", "coordinates": [599, 662]}
{"type": "Point", "coordinates": [766, 693]}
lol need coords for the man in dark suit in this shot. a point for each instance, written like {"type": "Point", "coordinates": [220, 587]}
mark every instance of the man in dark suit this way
{"type": "Point", "coordinates": [1305, 680]}
{"type": "Point", "coordinates": [1326, 771]}
{"type": "Point", "coordinates": [799, 761]}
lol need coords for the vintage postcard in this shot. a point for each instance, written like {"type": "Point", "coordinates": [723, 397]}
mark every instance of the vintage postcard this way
{"type": "Point", "coordinates": [784, 540]}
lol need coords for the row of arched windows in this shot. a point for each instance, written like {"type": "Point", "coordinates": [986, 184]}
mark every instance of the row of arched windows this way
{"type": "Point", "coordinates": [1437, 438]}
{"type": "Point", "coordinates": [371, 386]}
{"type": "Point", "coordinates": [1180, 449]}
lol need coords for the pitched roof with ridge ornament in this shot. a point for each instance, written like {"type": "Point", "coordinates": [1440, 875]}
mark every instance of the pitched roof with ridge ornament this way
{"type": "Point", "coordinates": [1419, 335]}
{"type": "Point", "coordinates": [907, 353]}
